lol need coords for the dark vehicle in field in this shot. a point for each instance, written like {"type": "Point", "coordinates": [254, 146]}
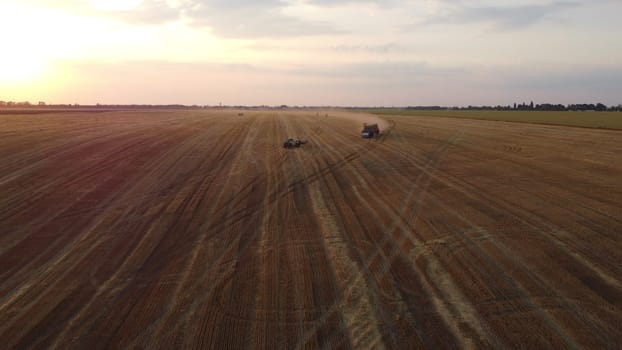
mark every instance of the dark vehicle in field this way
{"type": "Point", "coordinates": [292, 143]}
{"type": "Point", "coordinates": [369, 131]}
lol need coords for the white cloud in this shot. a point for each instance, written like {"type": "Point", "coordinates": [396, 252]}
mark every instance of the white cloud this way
{"type": "Point", "coordinates": [350, 50]}
{"type": "Point", "coordinates": [501, 17]}
{"type": "Point", "coordinates": [253, 20]}
{"type": "Point", "coordinates": [236, 19]}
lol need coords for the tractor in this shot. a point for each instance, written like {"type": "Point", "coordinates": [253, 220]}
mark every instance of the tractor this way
{"type": "Point", "coordinates": [293, 143]}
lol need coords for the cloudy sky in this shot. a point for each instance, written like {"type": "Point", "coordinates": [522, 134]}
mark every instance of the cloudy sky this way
{"type": "Point", "coordinates": [311, 52]}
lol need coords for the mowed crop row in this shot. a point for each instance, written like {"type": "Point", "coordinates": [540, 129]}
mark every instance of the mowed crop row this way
{"type": "Point", "coordinates": [196, 229]}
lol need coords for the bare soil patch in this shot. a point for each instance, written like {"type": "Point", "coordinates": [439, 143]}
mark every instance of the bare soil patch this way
{"type": "Point", "coordinates": [179, 229]}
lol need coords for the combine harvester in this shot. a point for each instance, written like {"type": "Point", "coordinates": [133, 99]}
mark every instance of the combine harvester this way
{"type": "Point", "coordinates": [369, 131]}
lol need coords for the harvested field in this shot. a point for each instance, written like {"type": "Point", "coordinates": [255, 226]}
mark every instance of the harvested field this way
{"type": "Point", "coordinates": [196, 229]}
{"type": "Point", "coordinates": [588, 119]}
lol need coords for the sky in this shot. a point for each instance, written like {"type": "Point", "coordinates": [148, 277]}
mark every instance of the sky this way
{"type": "Point", "coordinates": [311, 52]}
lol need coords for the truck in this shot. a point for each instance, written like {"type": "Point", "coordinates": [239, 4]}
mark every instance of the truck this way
{"type": "Point", "coordinates": [369, 131]}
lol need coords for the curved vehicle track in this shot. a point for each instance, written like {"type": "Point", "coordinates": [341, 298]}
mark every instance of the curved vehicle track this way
{"type": "Point", "coordinates": [196, 229]}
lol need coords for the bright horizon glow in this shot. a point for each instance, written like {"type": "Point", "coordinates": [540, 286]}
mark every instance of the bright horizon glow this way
{"type": "Point", "coordinates": [21, 62]}
{"type": "Point", "coordinates": [20, 70]}
{"type": "Point", "coordinates": [311, 52]}
{"type": "Point", "coordinates": [48, 35]}
{"type": "Point", "coordinates": [114, 5]}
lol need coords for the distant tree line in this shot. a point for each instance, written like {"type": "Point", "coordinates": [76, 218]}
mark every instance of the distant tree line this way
{"type": "Point", "coordinates": [599, 107]}
{"type": "Point", "coordinates": [19, 104]}
{"type": "Point", "coordinates": [27, 104]}
{"type": "Point", "coordinates": [100, 106]}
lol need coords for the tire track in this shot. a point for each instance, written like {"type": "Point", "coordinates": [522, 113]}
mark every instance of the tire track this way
{"type": "Point", "coordinates": [197, 230]}
{"type": "Point", "coordinates": [555, 326]}
{"type": "Point", "coordinates": [534, 221]}
{"type": "Point", "coordinates": [378, 253]}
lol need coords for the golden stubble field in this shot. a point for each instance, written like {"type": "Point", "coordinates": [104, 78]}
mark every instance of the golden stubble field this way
{"type": "Point", "coordinates": [196, 229]}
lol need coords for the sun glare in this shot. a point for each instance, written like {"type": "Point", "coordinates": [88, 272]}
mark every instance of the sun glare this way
{"type": "Point", "coordinates": [26, 50]}
{"type": "Point", "coordinates": [17, 69]}
{"type": "Point", "coordinates": [39, 36]}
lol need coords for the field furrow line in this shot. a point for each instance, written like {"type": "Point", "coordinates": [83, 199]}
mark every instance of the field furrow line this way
{"type": "Point", "coordinates": [121, 277]}
{"type": "Point", "coordinates": [185, 284]}
{"type": "Point", "coordinates": [531, 219]}
{"type": "Point", "coordinates": [402, 226]}
{"type": "Point", "coordinates": [548, 319]}
{"type": "Point", "coordinates": [354, 303]}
